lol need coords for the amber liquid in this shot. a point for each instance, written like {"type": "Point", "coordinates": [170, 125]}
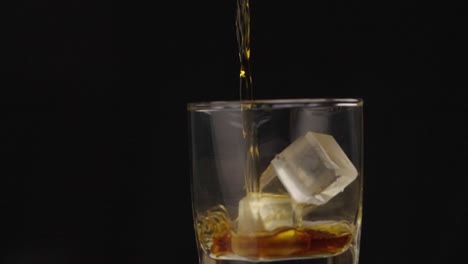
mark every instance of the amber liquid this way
{"type": "Point", "coordinates": [221, 241]}
{"type": "Point", "coordinates": [251, 170]}
{"type": "Point", "coordinates": [285, 243]}
{"type": "Point", "coordinates": [243, 41]}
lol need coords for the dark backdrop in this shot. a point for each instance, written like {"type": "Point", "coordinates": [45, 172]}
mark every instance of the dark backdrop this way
{"type": "Point", "coordinates": [94, 153]}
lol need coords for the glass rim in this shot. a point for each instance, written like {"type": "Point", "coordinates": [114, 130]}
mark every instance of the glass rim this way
{"type": "Point", "coordinates": [276, 103]}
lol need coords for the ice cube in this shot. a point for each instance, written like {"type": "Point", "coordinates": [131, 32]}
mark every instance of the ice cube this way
{"type": "Point", "coordinates": [264, 212]}
{"type": "Point", "coordinates": [313, 169]}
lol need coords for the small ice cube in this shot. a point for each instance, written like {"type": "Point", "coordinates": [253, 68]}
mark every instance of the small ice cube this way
{"type": "Point", "coordinates": [264, 212]}
{"type": "Point", "coordinates": [313, 169]}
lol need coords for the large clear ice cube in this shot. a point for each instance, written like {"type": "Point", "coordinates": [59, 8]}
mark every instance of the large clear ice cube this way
{"type": "Point", "coordinates": [264, 212]}
{"type": "Point", "coordinates": [313, 169]}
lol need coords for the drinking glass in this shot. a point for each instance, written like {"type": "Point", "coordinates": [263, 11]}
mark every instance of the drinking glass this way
{"type": "Point", "coordinates": [277, 180]}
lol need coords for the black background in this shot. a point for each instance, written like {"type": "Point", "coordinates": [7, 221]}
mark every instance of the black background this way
{"type": "Point", "coordinates": [94, 147]}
